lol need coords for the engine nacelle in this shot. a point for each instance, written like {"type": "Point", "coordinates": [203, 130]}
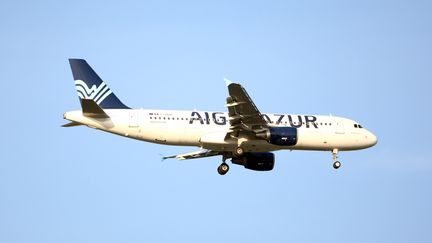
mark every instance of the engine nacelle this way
{"type": "Point", "coordinates": [256, 161]}
{"type": "Point", "coordinates": [283, 136]}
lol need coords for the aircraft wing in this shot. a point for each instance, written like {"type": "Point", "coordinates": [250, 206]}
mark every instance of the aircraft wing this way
{"type": "Point", "coordinates": [193, 155]}
{"type": "Point", "coordinates": [244, 116]}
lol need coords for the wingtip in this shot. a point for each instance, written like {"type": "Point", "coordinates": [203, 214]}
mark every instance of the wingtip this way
{"type": "Point", "coordinates": [163, 158]}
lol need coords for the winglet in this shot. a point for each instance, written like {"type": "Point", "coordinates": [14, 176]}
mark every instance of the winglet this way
{"type": "Point", "coordinates": [228, 82]}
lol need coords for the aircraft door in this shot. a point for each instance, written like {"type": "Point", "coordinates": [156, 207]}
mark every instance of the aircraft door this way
{"type": "Point", "coordinates": [133, 119]}
{"type": "Point", "coordinates": [339, 126]}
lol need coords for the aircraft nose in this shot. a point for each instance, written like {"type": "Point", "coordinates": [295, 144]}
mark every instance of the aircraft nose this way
{"type": "Point", "coordinates": [372, 139]}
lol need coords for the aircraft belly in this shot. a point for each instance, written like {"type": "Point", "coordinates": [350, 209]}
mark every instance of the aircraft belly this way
{"type": "Point", "coordinates": [216, 141]}
{"type": "Point", "coordinates": [172, 135]}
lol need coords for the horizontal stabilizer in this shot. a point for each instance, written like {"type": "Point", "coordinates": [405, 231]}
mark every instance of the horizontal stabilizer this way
{"type": "Point", "coordinates": [91, 109]}
{"type": "Point", "coordinates": [72, 124]}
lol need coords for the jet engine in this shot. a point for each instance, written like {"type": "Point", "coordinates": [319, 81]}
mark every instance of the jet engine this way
{"type": "Point", "coordinates": [255, 161]}
{"type": "Point", "coordinates": [283, 136]}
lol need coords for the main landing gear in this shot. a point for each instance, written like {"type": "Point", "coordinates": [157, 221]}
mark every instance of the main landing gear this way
{"type": "Point", "coordinates": [239, 151]}
{"type": "Point", "coordinates": [336, 163]}
{"type": "Point", "coordinates": [223, 168]}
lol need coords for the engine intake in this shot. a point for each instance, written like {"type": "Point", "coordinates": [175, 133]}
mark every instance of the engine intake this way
{"type": "Point", "coordinates": [283, 136]}
{"type": "Point", "coordinates": [255, 161]}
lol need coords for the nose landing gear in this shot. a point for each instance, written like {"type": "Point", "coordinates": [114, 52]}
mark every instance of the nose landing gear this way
{"type": "Point", "coordinates": [336, 163]}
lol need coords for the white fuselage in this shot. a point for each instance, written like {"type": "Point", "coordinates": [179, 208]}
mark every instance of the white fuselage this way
{"type": "Point", "coordinates": [208, 129]}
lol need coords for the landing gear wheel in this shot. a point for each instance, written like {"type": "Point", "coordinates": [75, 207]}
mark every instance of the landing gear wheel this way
{"type": "Point", "coordinates": [223, 168]}
{"type": "Point", "coordinates": [239, 151]}
{"type": "Point", "coordinates": [336, 163]}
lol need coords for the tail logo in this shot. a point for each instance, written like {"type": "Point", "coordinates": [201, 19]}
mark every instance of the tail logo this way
{"type": "Point", "coordinates": [96, 93]}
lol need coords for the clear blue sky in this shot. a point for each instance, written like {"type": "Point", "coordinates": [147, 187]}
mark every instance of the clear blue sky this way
{"type": "Point", "coordinates": [366, 60]}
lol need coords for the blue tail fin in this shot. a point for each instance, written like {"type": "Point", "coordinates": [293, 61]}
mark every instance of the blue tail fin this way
{"type": "Point", "coordinates": [90, 86]}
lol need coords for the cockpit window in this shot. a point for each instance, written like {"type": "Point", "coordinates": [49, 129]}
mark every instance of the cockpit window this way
{"type": "Point", "coordinates": [360, 126]}
{"type": "Point", "coordinates": [355, 125]}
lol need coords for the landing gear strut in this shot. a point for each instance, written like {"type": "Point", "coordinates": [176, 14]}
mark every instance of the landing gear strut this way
{"type": "Point", "coordinates": [336, 163]}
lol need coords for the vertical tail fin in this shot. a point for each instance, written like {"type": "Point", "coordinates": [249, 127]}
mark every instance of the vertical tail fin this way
{"type": "Point", "coordinates": [90, 86]}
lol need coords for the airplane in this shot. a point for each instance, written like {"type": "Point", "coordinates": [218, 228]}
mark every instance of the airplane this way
{"type": "Point", "coordinates": [242, 134]}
